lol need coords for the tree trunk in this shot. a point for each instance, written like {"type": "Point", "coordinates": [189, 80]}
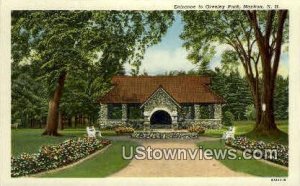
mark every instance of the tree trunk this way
{"type": "Point", "coordinates": [52, 119]}
{"type": "Point", "coordinates": [257, 104]}
{"type": "Point", "coordinates": [267, 124]}
{"type": "Point", "coordinates": [269, 55]}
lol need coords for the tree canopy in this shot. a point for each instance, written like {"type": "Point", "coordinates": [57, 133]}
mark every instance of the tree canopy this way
{"type": "Point", "coordinates": [254, 37]}
{"type": "Point", "coordinates": [66, 43]}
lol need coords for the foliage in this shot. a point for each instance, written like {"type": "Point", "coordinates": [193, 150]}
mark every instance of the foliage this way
{"type": "Point", "coordinates": [206, 111]}
{"type": "Point", "coordinates": [196, 129]}
{"type": "Point", "coordinates": [244, 143]}
{"type": "Point", "coordinates": [124, 130]}
{"type": "Point", "coordinates": [88, 45]}
{"type": "Point", "coordinates": [254, 39]}
{"type": "Point", "coordinates": [250, 112]}
{"type": "Point", "coordinates": [235, 91]}
{"type": "Point", "coordinates": [134, 111]}
{"type": "Point", "coordinates": [54, 156]}
{"type": "Point", "coordinates": [228, 118]}
{"type": "Point", "coordinates": [114, 111]}
{"type": "Point", "coordinates": [29, 96]}
{"type": "Point", "coordinates": [228, 82]}
{"type": "Point", "coordinates": [281, 101]}
{"type": "Point", "coordinates": [70, 40]}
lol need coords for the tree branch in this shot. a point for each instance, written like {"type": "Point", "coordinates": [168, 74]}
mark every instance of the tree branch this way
{"type": "Point", "coordinates": [270, 18]}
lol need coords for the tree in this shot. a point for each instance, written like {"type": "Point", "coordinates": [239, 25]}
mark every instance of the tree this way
{"type": "Point", "coordinates": [242, 31]}
{"type": "Point", "coordinates": [229, 28]}
{"type": "Point", "coordinates": [65, 42]}
{"type": "Point", "coordinates": [269, 30]}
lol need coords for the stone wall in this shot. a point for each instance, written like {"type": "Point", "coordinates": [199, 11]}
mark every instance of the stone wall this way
{"type": "Point", "coordinates": [162, 101]}
{"type": "Point", "coordinates": [164, 135]}
{"type": "Point", "coordinates": [208, 123]}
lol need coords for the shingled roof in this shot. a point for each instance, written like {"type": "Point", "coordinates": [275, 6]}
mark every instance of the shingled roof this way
{"type": "Point", "coordinates": [184, 89]}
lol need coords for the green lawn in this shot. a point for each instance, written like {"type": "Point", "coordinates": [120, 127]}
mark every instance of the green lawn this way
{"type": "Point", "coordinates": [110, 161]}
{"type": "Point", "coordinates": [29, 140]}
{"type": "Point", "coordinates": [253, 167]}
{"type": "Point", "coordinates": [102, 165]}
{"type": "Point", "coordinates": [244, 128]}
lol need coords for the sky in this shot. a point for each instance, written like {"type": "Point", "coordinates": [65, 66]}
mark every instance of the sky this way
{"type": "Point", "coordinates": [169, 55]}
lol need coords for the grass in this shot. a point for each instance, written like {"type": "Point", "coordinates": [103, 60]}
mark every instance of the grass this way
{"type": "Point", "coordinates": [244, 128]}
{"type": "Point", "coordinates": [252, 166]}
{"type": "Point", "coordinates": [110, 161]}
{"type": "Point", "coordinates": [29, 140]}
{"type": "Point", "coordinates": [102, 165]}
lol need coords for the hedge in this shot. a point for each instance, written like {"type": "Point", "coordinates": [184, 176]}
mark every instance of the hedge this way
{"type": "Point", "coordinates": [243, 143]}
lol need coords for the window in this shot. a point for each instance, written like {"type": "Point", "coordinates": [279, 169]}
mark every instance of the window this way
{"type": "Point", "coordinates": [134, 111]}
{"type": "Point", "coordinates": [206, 111]}
{"type": "Point", "coordinates": [188, 111]}
{"type": "Point", "coordinates": [114, 111]}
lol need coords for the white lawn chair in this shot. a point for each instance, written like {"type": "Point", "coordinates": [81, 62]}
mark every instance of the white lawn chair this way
{"type": "Point", "coordinates": [92, 132]}
{"type": "Point", "coordinates": [229, 134]}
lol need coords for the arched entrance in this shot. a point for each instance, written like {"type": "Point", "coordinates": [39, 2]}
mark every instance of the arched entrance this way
{"type": "Point", "coordinates": [160, 119]}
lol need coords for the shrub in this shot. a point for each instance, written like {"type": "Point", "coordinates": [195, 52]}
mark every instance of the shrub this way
{"type": "Point", "coordinates": [250, 112]}
{"type": "Point", "coordinates": [228, 118]}
{"type": "Point", "coordinates": [54, 156]}
{"type": "Point", "coordinates": [124, 130]}
{"type": "Point", "coordinates": [244, 143]}
{"type": "Point", "coordinates": [196, 129]}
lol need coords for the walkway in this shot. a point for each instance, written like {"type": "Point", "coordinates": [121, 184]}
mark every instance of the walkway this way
{"type": "Point", "coordinates": [175, 168]}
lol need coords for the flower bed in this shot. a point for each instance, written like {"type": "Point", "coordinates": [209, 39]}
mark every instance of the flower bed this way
{"type": "Point", "coordinates": [124, 130]}
{"type": "Point", "coordinates": [196, 129]}
{"type": "Point", "coordinates": [243, 143]}
{"type": "Point", "coordinates": [54, 156]}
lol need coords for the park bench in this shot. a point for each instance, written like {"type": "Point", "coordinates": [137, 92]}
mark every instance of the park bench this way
{"type": "Point", "coordinates": [92, 132]}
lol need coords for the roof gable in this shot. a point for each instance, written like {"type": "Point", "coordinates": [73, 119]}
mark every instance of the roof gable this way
{"type": "Point", "coordinates": [156, 92]}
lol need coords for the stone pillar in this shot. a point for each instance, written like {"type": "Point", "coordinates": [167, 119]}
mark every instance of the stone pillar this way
{"type": "Point", "coordinates": [124, 113]}
{"type": "Point", "coordinates": [146, 121]}
{"type": "Point", "coordinates": [197, 111]}
{"type": "Point", "coordinates": [174, 117]}
{"type": "Point", "coordinates": [217, 111]}
{"type": "Point", "coordinates": [103, 114]}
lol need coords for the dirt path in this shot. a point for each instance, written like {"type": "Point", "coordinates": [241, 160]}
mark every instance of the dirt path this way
{"type": "Point", "coordinates": [175, 168]}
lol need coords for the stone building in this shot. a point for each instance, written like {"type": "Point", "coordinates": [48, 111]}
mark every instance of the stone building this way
{"type": "Point", "coordinates": [174, 102]}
